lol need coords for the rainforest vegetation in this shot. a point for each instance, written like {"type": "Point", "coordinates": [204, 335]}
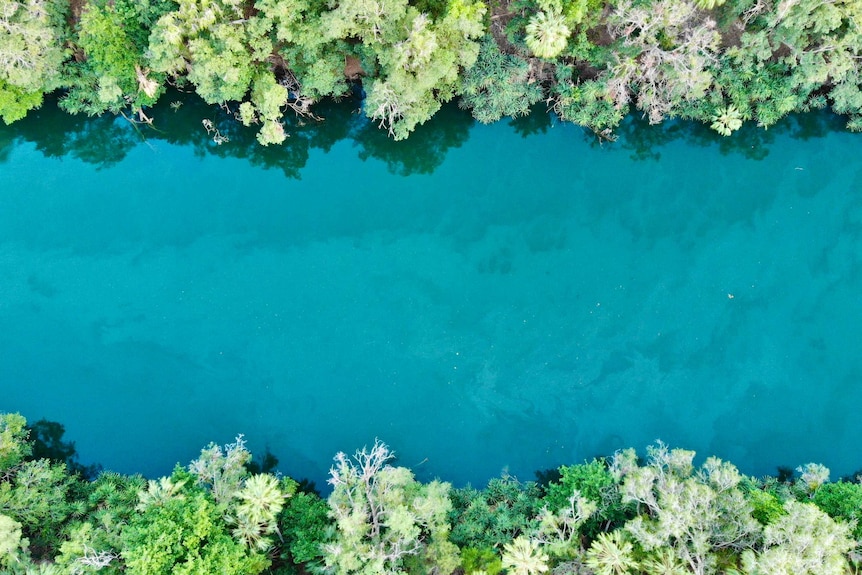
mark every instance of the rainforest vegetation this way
{"type": "Point", "coordinates": [722, 62]}
{"type": "Point", "coordinates": [224, 513]}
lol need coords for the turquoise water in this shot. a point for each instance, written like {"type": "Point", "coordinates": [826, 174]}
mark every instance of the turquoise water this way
{"type": "Point", "coordinates": [481, 297]}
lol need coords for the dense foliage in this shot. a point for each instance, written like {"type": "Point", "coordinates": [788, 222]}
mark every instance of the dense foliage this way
{"type": "Point", "coordinates": [662, 515]}
{"type": "Point", "coordinates": [722, 62]}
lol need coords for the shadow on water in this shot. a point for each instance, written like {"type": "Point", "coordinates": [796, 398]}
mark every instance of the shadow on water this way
{"type": "Point", "coordinates": [538, 121]}
{"type": "Point", "coordinates": [644, 141]}
{"type": "Point", "coordinates": [426, 148]}
{"type": "Point", "coordinates": [178, 119]}
{"type": "Point", "coordinates": [46, 439]}
{"type": "Point", "coordinates": [102, 141]}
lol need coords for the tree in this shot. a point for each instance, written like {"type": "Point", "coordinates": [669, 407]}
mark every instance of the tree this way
{"type": "Point", "coordinates": [309, 47]}
{"type": "Point", "coordinates": [727, 120]}
{"type": "Point", "coordinates": [110, 73]}
{"type": "Point", "coordinates": [559, 531]}
{"type": "Point", "coordinates": [804, 541]}
{"type": "Point", "coordinates": [497, 85]}
{"type": "Point", "coordinates": [305, 525]}
{"type": "Point", "coordinates": [14, 444]}
{"type": "Point", "coordinates": [416, 61]}
{"type": "Point", "coordinates": [666, 51]}
{"type": "Point", "coordinates": [222, 470]}
{"type": "Point", "coordinates": [489, 518]}
{"type": "Point", "coordinates": [611, 554]}
{"type": "Point", "coordinates": [524, 556]}
{"type": "Point", "coordinates": [384, 517]}
{"type": "Point", "coordinates": [95, 541]}
{"type": "Point", "coordinates": [697, 513]}
{"type": "Point", "coordinates": [185, 534]}
{"type": "Point", "coordinates": [225, 54]}
{"type": "Point", "coordinates": [260, 501]}
{"type": "Point", "coordinates": [842, 500]}
{"type": "Point", "coordinates": [12, 544]}
{"type": "Point", "coordinates": [594, 482]}
{"type": "Point", "coordinates": [547, 34]}
{"type": "Point", "coordinates": [30, 55]}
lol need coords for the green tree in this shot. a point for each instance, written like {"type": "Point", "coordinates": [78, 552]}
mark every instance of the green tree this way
{"type": "Point", "coordinates": [35, 494]}
{"type": "Point", "coordinates": [416, 61]}
{"type": "Point", "coordinates": [593, 481]}
{"type": "Point", "coordinates": [498, 85]}
{"type": "Point", "coordinates": [222, 470]}
{"type": "Point", "coordinates": [225, 54]}
{"type": "Point", "coordinates": [305, 525]}
{"type": "Point", "coordinates": [259, 502]}
{"type": "Point", "coordinates": [185, 535]}
{"type": "Point", "coordinates": [111, 72]}
{"type": "Point", "coordinates": [489, 518]}
{"type": "Point", "coordinates": [311, 51]}
{"type": "Point", "coordinates": [14, 444]}
{"type": "Point", "coordinates": [12, 544]}
{"type": "Point", "coordinates": [560, 530]}
{"type": "Point", "coordinates": [842, 500]}
{"type": "Point", "coordinates": [95, 541]}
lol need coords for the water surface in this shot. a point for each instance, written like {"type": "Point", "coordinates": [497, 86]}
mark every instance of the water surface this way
{"type": "Point", "coordinates": [513, 296]}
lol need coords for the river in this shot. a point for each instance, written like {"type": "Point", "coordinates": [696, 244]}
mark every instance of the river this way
{"type": "Point", "coordinates": [482, 298]}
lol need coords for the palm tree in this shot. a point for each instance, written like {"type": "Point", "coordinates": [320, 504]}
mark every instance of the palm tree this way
{"type": "Point", "coordinates": [663, 562]}
{"type": "Point", "coordinates": [547, 35]}
{"type": "Point", "coordinates": [524, 557]}
{"type": "Point", "coordinates": [611, 554]}
{"type": "Point", "coordinates": [261, 499]}
{"type": "Point", "coordinates": [727, 120]}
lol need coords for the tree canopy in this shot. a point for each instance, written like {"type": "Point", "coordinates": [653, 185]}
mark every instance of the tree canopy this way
{"type": "Point", "coordinates": [723, 63]}
{"type": "Point", "coordinates": [659, 515]}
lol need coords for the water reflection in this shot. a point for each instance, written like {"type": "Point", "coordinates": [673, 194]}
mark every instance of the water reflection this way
{"type": "Point", "coordinates": [106, 140]}
{"type": "Point", "coordinates": [644, 141]}
{"type": "Point", "coordinates": [424, 151]}
{"type": "Point", "coordinates": [536, 122]}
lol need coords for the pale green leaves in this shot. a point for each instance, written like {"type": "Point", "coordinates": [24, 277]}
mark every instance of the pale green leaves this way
{"type": "Point", "coordinates": [611, 554]}
{"type": "Point", "coordinates": [805, 541]}
{"type": "Point", "coordinates": [421, 69]}
{"type": "Point", "coordinates": [383, 515]}
{"type": "Point", "coordinates": [694, 513]}
{"type": "Point", "coordinates": [524, 556]}
{"type": "Point", "coordinates": [268, 98]}
{"type": "Point", "coordinates": [222, 69]}
{"type": "Point", "coordinates": [30, 56]}
{"type": "Point", "coordinates": [159, 492]}
{"type": "Point", "coordinates": [710, 4]}
{"type": "Point", "coordinates": [30, 51]}
{"type": "Point", "coordinates": [559, 531]}
{"type": "Point", "coordinates": [222, 470]}
{"type": "Point", "coordinates": [11, 541]}
{"type": "Point", "coordinates": [260, 501]}
{"type": "Point", "coordinates": [13, 440]}
{"type": "Point", "coordinates": [547, 34]}
{"type": "Point", "coordinates": [813, 475]}
{"type": "Point", "coordinates": [669, 48]}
